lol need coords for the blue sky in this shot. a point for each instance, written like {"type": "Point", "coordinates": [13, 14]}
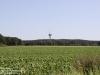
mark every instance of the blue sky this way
{"type": "Point", "coordinates": [65, 19]}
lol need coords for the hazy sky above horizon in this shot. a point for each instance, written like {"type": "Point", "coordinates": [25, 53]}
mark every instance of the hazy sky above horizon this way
{"type": "Point", "coordinates": [65, 19]}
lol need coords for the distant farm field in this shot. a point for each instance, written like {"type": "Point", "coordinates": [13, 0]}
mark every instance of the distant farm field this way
{"type": "Point", "coordinates": [45, 60]}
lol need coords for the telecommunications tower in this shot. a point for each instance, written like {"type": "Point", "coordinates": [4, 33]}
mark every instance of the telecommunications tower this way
{"type": "Point", "coordinates": [50, 35]}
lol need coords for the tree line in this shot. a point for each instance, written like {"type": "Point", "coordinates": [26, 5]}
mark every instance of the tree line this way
{"type": "Point", "coordinates": [61, 42]}
{"type": "Point", "coordinates": [13, 41]}
{"type": "Point", "coordinates": [10, 41]}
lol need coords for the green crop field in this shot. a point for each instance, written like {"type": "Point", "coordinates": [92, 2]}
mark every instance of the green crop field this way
{"type": "Point", "coordinates": [45, 60]}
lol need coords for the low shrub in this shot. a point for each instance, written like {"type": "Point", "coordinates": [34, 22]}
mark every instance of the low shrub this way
{"type": "Point", "coordinates": [3, 45]}
{"type": "Point", "coordinates": [88, 64]}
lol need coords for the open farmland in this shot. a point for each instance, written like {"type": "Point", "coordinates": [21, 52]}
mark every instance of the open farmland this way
{"type": "Point", "coordinates": [45, 60]}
